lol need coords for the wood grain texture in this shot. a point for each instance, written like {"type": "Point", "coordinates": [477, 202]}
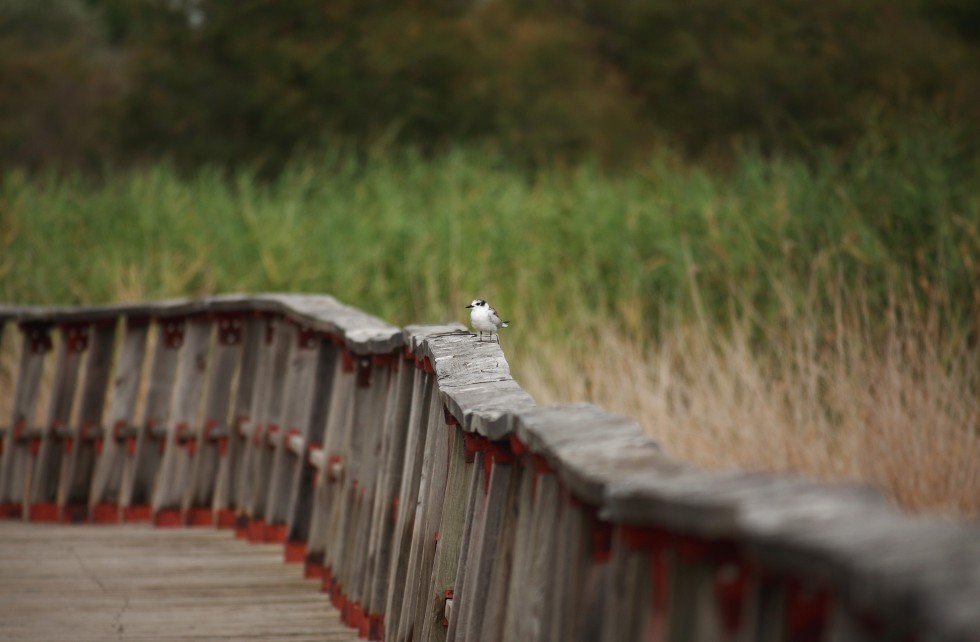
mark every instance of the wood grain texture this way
{"type": "Point", "coordinates": [134, 582]}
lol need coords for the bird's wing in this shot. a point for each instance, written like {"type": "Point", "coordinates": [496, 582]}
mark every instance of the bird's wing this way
{"type": "Point", "coordinates": [494, 317]}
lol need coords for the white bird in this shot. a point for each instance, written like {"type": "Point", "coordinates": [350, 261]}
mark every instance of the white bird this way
{"type": "Point", "coordinates": [485, 319]}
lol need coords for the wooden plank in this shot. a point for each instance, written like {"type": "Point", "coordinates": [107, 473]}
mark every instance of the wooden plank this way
{"type": "Point", "coordinates": [80, 454]}
{"type": "Point", "coordinates": [451, 525]}
{"type": "Point", "coordinates": [108, 477]}
{"type": "Point", "coordinates": [487, 409]}
{"type": "Point", "coordinates": [339, 492]}
{"type": "Point", "coordinates": [227, 483]}
{"type": "Point", "coordinates": [408, 493]}
{"type": "Point", "coordinates": [434, 462]}
{"type": "Point", "coordinates": [349, 549]}
{"type": "Point", "coordinates": [497, 561]}
{"type": "Point", "coordinates": [472, 538]}
{"type": "Point", "coordinates": [133, 583]}
{"type": "Point", "coordinates": [175, 466]}
{"type": "Point", "coordinates": [197, 503]}
{"type": "Point", "coordinates": [393, 444]}
{"type": "Point", "coordinates": [143, 457]}
{"type": "Point", "coordinates": [914, 574]}
{"type": "Point", "coordinates": [267, 427]}
{"type": "Point", "coordinates": [628, 598]}
{"type": "Point", "coordinates": [571, 568]}
{"type": "Point", "coordinates": [15, 462]}
{"type": "Point", "coordinates": [720, 504]}
{"type": "Point", "coordinates": [47, 463]}
{"type": "Point", "coordinates": [326, 493]}
{"type": "Point", "coordinates": [301, 497]}
{"type": "Point", "coordinates": [252, 429]}
{"type": "Point", "coordinates": [297, 406]}
{"type": "Point", "coordinates": [522, 551]}
{"type": "Point", "coordinates": [537, 600]}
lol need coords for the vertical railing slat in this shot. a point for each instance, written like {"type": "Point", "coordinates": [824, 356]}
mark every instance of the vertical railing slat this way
{"type": "Point", "coordinates": [181, 424]}
{"type": "Point", "coordinates": [105, 492]}
{"type": "Point", "coordinates": [46, 466]}
{"type": "Point", "coordinates": [15, 463]}
{"type": "Point", "coordinates": [144, 451]}
{"type": "Point", "coordinates": [208, 448]}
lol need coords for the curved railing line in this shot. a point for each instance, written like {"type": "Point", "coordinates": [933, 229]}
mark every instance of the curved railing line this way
{"type": "Point", "coordinates": [360, 445]}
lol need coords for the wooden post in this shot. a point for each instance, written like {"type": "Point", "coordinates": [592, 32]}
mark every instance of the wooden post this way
{"type": "Point", "coordinates": [210, 445]}
{"type": "Point", "coordinates": [350, 549]}
{"type": "Point", "coordinates": [302, 489]}
{"type": "Point", "coordinates": [144, 451]}
{"type": "Point", "coordinates": [427, 512]}
{"type": "Point", "coordinates": [496, 561]}
{"type": "Point", "coordinates": [446, 561]}
{"type": "Point", "coordinates": [473, 523]}
{"type": "Point", "coordinates": [331, 436]}
{"type": "Point", "coordinates": [228, 482]}
{"type": "Point", "coordinates": [80, 454]}
{"type": "Point", "coordinates": [523, 553]}
{"type": "Point", "coordinates": [268, 436]}
{"type": "Point", "coordinates": [47, 449]}
{"type": "Point", "coordinates": [393, 444]}
{"type": "Point", "coordinates": [250, 424]}
{"type": "Point", "coordinates": [408, 493]}
{"type": "Point", "coordinates": [295, 414]}
{"type": "Point", "coordinates": [106, 491]}
{"type": "Point", "coordinates": [174, 470]}
{"type": "Point", "coordinates": [15, 463]}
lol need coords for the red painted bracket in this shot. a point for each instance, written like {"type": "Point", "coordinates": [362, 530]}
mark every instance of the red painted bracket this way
{"type": "Point", "coordinates": [168, 518]}
{"type": "Point", "coordinates": [270, 432]}
{"type": "Point", "coordinates": [43, 512]}
{"type": "Point", "coordinates": [807, 612]}
{"type": "Point", "coordinates": [335, 464]}
{"type": "Point", "coordinates": [173, 332]}
{"type": "Point", "coordinates": [294, 551]}
{"type": "Point", "coordinates": [11, 510]}
{"type": "Point", "coordinates": [227, 518]}
{"type": "Point", "coordinates": [199, 516]}
{"type": "Point", "coordinates": [376, 630]}
{"type": "Point", "coordinates": [256, 530]}
{"type": "Point", "coordinates": [38, 336]}
{"type": "Point", "coordinates": [275, 533]}
{"type": "Point", "coordinates": [186, 437]}
{"type": "Point", "coordinates": [347, 359]}
{"type": "Point", "coordinates": [106, 514]}
{"type": "Point", "coordinates": [306, 338]}
{"type": "Point", "coordinates": [231, 327]}
{"type": "Point", "coordinates": [140, 513]}
{"type": "Point", "coordinates": [222, 440]}
{"type": "Point", "coordinates": [364, 372]}
{"type": "Point", "coordinates": [76, 336]}
{"type": "Point", "coordinates": [313, 566]}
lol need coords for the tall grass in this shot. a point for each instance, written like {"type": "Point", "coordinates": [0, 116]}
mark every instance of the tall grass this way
{"type": "Point", "coordinates": [820, 318]}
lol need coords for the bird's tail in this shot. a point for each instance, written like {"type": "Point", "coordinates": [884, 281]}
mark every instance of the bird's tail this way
{"type": "Point", "coordinates": [504, 324]}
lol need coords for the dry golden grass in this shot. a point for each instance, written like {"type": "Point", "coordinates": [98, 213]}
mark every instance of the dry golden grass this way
{"type": "Point", "coordinates": [890, 401]}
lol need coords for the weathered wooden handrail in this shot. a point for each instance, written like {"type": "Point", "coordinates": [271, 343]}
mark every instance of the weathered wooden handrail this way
{"type": "Point", "coordinates": [431, 497]}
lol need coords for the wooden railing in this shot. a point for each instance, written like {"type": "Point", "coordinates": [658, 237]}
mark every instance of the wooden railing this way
{"type": "Point", "coordinates": [410, 473]}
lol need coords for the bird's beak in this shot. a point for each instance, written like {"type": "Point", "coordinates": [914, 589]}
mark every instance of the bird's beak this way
{"type": "Point", "coordinates": [469, 306]}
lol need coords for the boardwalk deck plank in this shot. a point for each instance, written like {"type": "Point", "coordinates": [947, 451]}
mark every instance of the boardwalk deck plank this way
{"type": "Point", "coordinates": [135, 582]}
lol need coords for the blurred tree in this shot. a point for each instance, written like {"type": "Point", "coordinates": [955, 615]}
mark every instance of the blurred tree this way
{"type": "Point", "coordinates": [60, 84]}
{"type": "Point", "coordinates": [257, 82]}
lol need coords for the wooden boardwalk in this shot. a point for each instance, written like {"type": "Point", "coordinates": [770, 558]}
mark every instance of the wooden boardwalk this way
{"type": "Point", "coordinates": [136, 582]}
